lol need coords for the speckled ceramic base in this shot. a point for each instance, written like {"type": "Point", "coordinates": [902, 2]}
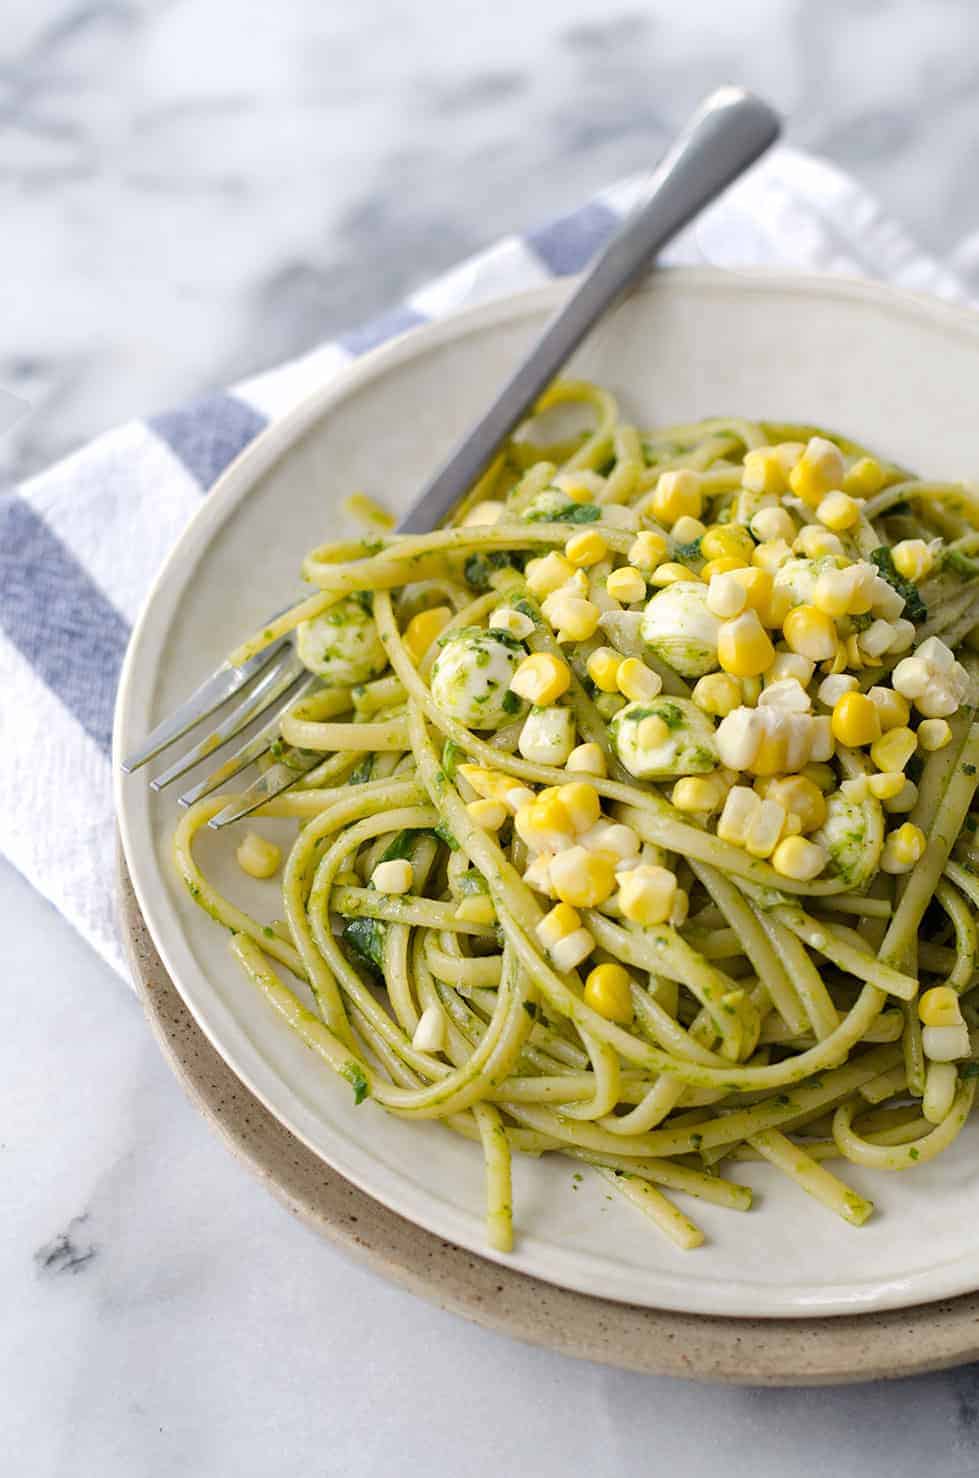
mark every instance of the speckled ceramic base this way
{"type": "Point", "coordinates": [764, 1352]}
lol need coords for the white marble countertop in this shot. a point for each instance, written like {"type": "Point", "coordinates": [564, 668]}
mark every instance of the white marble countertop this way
{"type": "Point", "coordinates": [191, 191]}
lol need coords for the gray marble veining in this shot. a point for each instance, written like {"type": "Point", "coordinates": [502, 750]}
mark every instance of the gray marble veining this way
{"type": "Point", "coordinates": [190, 191]}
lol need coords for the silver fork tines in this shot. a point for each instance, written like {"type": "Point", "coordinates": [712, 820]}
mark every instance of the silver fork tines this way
{"type": "Point", "coordinates": [251, 750]}
{"type": "Point", "coordinates": [213, 691]}
{"type": "Point", "coordinates": [272, 783]}
{"type": "Point", "coordinates": [727, 135]}
{"type": "Point", "coordinates": [273, 683]}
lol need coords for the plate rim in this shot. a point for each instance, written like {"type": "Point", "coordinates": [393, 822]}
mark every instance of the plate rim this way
{"type": "Point", "coordinates": [851, 1348]}
{"type": "Point", "coordinates": [273, 443]}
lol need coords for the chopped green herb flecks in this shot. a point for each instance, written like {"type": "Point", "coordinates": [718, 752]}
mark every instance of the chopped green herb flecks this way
{"type": "Point", "coordinates": [354, 1075]}
{"type": "Point", "coordinates": [914, 607]}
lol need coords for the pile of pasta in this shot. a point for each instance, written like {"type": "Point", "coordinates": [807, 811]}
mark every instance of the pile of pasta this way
{"type": "Point", "coordinates": [634, 813]}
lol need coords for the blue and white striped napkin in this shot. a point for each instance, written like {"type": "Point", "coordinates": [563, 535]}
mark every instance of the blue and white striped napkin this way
{"type": "Point", "coordinates": [80, 544]}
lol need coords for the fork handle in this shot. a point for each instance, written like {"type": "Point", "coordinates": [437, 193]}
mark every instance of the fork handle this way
{"type": "Point", "coordinates": [726, 135]}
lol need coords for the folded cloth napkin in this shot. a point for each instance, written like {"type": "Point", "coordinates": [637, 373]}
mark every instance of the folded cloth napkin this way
{"type": "Point", "coordinates": [81, 543]}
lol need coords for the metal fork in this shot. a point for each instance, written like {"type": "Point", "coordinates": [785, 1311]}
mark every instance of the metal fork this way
{"type": "Point", "coordinates": [726, 135]}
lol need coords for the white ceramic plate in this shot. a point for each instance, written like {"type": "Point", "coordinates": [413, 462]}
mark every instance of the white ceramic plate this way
{"type": "Point", "coordinates": [894, 371]}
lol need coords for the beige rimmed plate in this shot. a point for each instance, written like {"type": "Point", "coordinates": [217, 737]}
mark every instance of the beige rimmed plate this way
{"type": "Point", "coordinates": [884, 367]}
{"type": "Point", "coordinates": [764, 1352]}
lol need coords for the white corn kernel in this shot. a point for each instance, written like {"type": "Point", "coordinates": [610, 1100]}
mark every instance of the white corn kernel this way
{"type": "Point", "coordinates": [833, 687]}
{"type": "Point", "coordinates": [791, 664]}
{"type": "Point", "coordinates": [933, 733]}
{"type": "Point", "coordinates": [773, 523]}
{"type": "Point", "coordinates": [395, 876]}
{"type": "Point", "coordinates": [945, 1043]}
{"type": "Point", "coordinates": [786, 694]}
{"type": "Point", "coordinates": [738, 737]}
{"type": "Point", "coordinates": [726, 596]}
{"type": "Point", "coordinates": [514, 623]}
{"type": "Point", "coordinates": [877, 638]}
{"type": "Point", "coordinates": [570, 951]}
{"type": "Point", "coordinates": [739, 810]}
{"type": "Point", "coordinates": [613, 837]}
{"type": "Point", "coordinates": [547, 737]}
{"type": "Point", "coordinates": [430, 1032]}
{"type": "Point", "coordinates": [902, 635]}
{"type": "Point", "coordinates": [941, 1081]}
{"type": "Point", "coordinates": [813, 542]}
{"type": "Point", "coordinates": [904, 801]}
{"type": "Point", "coordinates": [764, 829]}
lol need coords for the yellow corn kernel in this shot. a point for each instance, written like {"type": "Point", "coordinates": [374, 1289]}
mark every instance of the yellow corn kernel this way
{"type": "Point", "coordinates": [933, 733]}
{"type": "Point", "coordinates": [717, 694]}
{"type": "Point", "coordinates": [637, 682]}
{"type": "Point", "coordinates": [476, 909]}
{"type": "Point", "coordinates": [687, 529]}
{"type": "Point", "coordinates": [422, 630]}
{"type": "Point", "coordinates": [490, 815]}
{"type": "Point", "coordinates": [587, 759]}
{"type": "Point", "coordinates": [487, 512]}
{"type": "Point", "coordinates": [701, 795]}
{"type": "Point", "coordinates": [258, 857]}
{"type": "Point", "coordinates": [586, 548]}
{"type": "Point", "coordinates": [903, 848]}
{"type": "Point", "coordinates": [395, 876]}
{"type": "Point", "coordinates": [744, 648]}
{"type": "Point", "coordinates": [677, 493]}
{"type": "Point", "coordinates": [771, 555]}
{"type": "Point", "coordinates": [818, 471]}
{"type": "Point", "coordinates": [727, 540]}
{"type": "Point", "coordinates": [886, 785]}
{"type": "Point", "coordinates": [864, 478]}
{"type": "Point", "coordinates": [541, 679]}
{"type": "Point", "coordinates": [647, 550]}
{"type": "Point", "coordinates": [547, 574]}
{"type": "Point", "coordinates": [838, 511]}
{"type": "Point", "coordinates": [647, 894]}
{"type": "Point", "coordinates": [651, 732]}
{"type": "Point", "coordinates": [626, 584]}
{"type": "Point", "coordinates": [810, 632]}
{"type": "Point", "coordinates": [603, 667]}
{"type": "Point", "coordinates": [764, 471]}
{"type": "Point", "coordinates": [670, 573]}
{"type": "Point", "coordinates": [795, 857]}
{"type": "Point", "coordinates": [723, 565]}
{"type": "Point", "coordinates": [893, 709]}
{"type": "Point", "coordinates": [893, 749]}
{"type": "Point", "coordinates": [759, 586]}
{"type": "Point", "coordinates": [582, 878]}
{"type": "Point", "coordinates": [608, 990]}
{"type": "Point", "coordinates": [580, 485]}
{"type": "Point", "coordinates": [913, 559]}
{"type": "Point", "coordinates": [561, 920]}
{"type": "Point", "coordinates": [855, 720]}
{"type": "Point", "coordinates": [939, 1007]}
{"type": "Point", "coordinates": [580, 802]}
{"type": "Point", "coordinates": [544, 823]}
{"type": "Point", "coordinates": [801, 798]}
